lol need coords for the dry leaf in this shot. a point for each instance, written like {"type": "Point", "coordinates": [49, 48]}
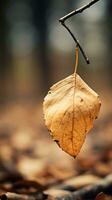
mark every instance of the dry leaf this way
{"type": "Point", "coordinates": [70, 108]}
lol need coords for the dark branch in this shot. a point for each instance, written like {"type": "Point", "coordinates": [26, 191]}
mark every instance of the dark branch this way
{"type": "Point", "coordinates": [79, 10]}
{"type": "Point", "coordinates": [77, 43]}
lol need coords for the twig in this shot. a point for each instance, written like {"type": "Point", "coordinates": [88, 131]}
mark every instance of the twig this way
{"type": "Point", "coordinates": [63, 19]}
{"type": "Point", "coordinates": [79, 10]}
{"type": "Point", "coordinates": [77, 43]}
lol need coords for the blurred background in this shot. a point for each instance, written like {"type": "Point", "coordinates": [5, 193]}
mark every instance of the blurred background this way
{"type": "Point", "coordinates": [35, 52]}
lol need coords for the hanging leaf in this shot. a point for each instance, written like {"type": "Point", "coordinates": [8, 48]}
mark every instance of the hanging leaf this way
{"type": "Point", "coordinates": [70, 108]}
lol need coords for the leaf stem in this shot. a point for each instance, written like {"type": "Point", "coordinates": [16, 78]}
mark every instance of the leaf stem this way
{"type": "Point", "coordinates": [76, 59]}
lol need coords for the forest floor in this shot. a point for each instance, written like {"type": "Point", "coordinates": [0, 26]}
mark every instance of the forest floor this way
{"type": "Point", "coordinates": [33, 167]}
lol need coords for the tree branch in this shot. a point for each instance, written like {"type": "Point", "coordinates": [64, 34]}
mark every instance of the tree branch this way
{"type": "Point", "coordinates": [63, 19]}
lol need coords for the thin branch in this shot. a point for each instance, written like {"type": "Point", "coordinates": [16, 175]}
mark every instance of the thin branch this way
{"type": "Point", "coordinates": [79, 10]}
{"type": "Point", "coordinates": [77, 43]}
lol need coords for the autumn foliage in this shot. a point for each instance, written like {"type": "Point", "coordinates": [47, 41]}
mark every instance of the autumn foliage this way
{"type": "Point", "coordinates": [70, 108]}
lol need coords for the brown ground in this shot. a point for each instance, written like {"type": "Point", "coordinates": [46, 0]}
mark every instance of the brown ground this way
{"type": "Point", "coordinates": [33, 167]}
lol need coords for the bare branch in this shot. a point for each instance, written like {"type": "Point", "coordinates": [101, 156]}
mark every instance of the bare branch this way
{"type": "Point", "coordinates": [79, 10]}
{"type": "Point", "coordinates": [77, 43]}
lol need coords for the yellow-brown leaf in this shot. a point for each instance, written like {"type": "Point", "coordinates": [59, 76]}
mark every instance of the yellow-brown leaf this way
{"type": "Point", "coordinates": [70, 108]}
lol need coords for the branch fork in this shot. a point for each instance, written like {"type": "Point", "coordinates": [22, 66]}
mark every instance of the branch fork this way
{"type": "Point", "coordinates": [63, 19]}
